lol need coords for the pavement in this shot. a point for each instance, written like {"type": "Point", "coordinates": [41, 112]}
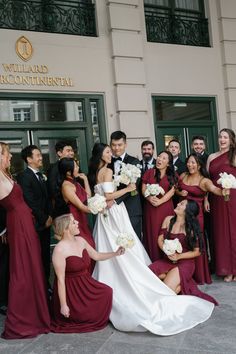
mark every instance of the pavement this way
{"type": "Point", "coordinates": [217, 335]}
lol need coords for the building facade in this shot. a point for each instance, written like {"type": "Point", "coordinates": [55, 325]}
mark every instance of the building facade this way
{"type": "Point", "coordinates": [156, 69]}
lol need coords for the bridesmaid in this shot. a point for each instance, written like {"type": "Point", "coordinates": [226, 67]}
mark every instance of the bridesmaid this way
{"type": "Point", "coordinates": [75, 195]}
{"type": "Point", "coordinates": [80, 303]}
{"type": "Point", "coordinates": [194, 185]}
{"type": "Point", "coordinates": [27, 312]}
{"type": "Point", "coordinates": [156, 208]}
{"type": "Point", "coordinates": [222, 212]}
{"type": "Point", "coordinates": [177, 270]}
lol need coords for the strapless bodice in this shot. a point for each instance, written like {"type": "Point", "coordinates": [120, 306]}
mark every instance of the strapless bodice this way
{"type": "Point", "coordinates": [105, 187]}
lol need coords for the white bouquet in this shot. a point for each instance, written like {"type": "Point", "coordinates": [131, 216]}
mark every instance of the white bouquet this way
{"type": "Point", "coordinates": [153, 189]}
{"type": "Point", "coordinates": [227, 181]}
{"type": "Point", "coordinates": [172, 246]}
{"type": "Point", "coordinates": [128, 174]}
{"type": "Point", "coordinates": [97, 204]}
{"type": "Point", "coordinates": [125, 240]}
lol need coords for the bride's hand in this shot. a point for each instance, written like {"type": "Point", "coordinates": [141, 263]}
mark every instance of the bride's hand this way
{"type": "Point", "coordinates": [120, 251]}
{"type": "Point", "coordinates": [131, 187]}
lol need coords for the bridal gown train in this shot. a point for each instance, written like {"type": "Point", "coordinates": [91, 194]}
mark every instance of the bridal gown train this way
{"type": "Point", "coordinates": [141, 301]}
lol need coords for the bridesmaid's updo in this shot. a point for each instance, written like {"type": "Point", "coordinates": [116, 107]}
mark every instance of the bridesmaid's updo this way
{"type": "Point", "coordinates": [60, 224]}
{"type": "Point", "coordinates": [94, 163]}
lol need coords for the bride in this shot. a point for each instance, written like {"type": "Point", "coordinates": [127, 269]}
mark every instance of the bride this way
{"type": "Point", "coordinates": [141, 301]}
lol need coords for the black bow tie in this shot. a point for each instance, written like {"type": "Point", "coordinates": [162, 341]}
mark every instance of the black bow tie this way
{"type": "Point", "coordinates": [116, 159]}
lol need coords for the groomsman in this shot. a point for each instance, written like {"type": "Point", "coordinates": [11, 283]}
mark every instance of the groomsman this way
{"type": "Point", "coordinates": [147, 151]}
{"type": "Point", "coordinates": [133, 204]}
{"type": "Point", "coordinates": [199, 146]}
{"type": "Point", "coordinates": [174, 148]}
{"type": "Point", "coordinates": [35, 194]}
{"type": "Point", "coordinates": [63, 149]}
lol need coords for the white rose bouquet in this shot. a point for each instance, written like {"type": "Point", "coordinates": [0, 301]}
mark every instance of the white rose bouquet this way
{"type": "Point", "coordinates": [128, 174]}
{"type": "Point", "coordinates": [153, 189]}
{"type": "Point", "coordinates": [172, 246]}
{"type": "Point", "coordinates": [97, 204]}
{"type": "Point", "coordinates": [227, 181]}
{"type": "Point", "coordinates": [125, 240]}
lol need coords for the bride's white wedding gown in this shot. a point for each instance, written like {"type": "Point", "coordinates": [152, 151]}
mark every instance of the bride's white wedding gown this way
{"type": "Point", "coordinates": [141, 301]}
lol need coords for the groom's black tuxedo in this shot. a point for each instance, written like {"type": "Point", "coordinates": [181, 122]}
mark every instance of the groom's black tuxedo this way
{"type": "Point", "coordinates": [36, 197]}
{"type": "Point", "coordinates": [132, 203]}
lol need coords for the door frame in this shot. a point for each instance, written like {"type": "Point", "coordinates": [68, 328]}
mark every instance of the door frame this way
{"type": "Point", "coordinates": [211, 123]}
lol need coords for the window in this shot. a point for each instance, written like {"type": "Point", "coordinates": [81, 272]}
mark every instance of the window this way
{"type": "Point", "coordinates": [22, 114]}
{"type": "Point", "coordinates": [55, 16]}
{"type": "Point", "coordinates": [176, 22]}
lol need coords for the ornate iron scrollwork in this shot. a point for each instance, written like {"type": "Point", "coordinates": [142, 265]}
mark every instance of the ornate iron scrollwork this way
{"type": "Point", "coordinates": [176, 29]}
{"type": "Point", "coordinates": [54, 16]}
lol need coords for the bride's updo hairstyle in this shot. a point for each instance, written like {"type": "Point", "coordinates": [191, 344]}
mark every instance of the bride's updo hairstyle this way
{"type": "Point", "coordinates": [95, 163]}
{"type": "Point", "coordinates": [192, 227]}
{"type": "Point", "coordinates": [60, 224]}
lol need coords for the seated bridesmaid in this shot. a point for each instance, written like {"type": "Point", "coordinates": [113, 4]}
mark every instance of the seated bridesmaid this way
{"type": "Point", "coordinates": [177, 270]}
{"type": "Point", "coordinates": [79, 302]}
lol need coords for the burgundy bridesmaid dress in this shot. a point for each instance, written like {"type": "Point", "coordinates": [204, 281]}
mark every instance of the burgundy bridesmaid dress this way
{"type": "Point", "coordinates": [202, 273]}
{"type": "Point", "coordinates": [89, 301]}
{"type": "Point", "coordinates": [186, 270]}
{"type": "Point", "coordinates": [153, 217]}
{"type": "Point", "coordinates": [223, 220]}
{"type": "Point", "coordinates": [27, 313]}
{"type": "Point", "coordinates": [80, 216]}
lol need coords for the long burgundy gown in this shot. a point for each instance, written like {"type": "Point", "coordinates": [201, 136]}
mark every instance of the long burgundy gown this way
{"type": "Point", "coordinates": [186, 270]}
{"type": "Point", "coordinates": [27, 313]}
{"type": "Point", "coordinates": [202, 273]}
{"type": "Point", "coordinates": [80, 216]}
{"type": "Point", "coordinates": [89, 301]}
{"type": "Point", "coordinates": [154, 216]}
{"type": "Point", "coordinates": [223, 220]}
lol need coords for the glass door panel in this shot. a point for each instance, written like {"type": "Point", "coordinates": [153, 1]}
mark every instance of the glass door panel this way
{"type": "Point", "coordinates": [46, 140]}
{"type": "Point", "coordinates": [165, 135]}
{"type": "Point", "coordinates": [17, 140]}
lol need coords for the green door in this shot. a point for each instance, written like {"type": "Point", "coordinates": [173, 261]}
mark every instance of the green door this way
{"type": "Point", "coordinates": [46, 140]}
{"type": "Point", "coordinates": [185, 135]}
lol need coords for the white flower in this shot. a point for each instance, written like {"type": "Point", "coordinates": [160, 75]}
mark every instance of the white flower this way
{"type": "Point", "coordinates": [44, 177]}
{"type": "Point", "coordinates": [153, 189]}
{"type": "Point", "coordinates": [227, 181]}
{"type": "Point", "coordinates": [172, 246]}
{"type": "Point", "coordinates": [128, 174]}
{"type": "Point", "coordinates": [97, 204]}
{"type": "Point", "coordinates": [125, 240]}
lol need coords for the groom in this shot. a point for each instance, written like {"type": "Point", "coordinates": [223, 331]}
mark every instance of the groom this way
{"type": "Point", "coordinates": [132, 203]}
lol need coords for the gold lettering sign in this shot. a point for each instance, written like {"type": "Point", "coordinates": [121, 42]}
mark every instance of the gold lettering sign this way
{"type": "Point", "coordinates": [24, 48]}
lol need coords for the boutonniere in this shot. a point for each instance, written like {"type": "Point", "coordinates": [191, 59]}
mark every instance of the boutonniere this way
{"type": "Point", "coordinates": [176, 168]}
{"type": "Point", "coordinates": [44, 177]}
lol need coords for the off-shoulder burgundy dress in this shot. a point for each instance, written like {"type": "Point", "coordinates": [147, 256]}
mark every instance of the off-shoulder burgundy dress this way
{"type": "Point", "coordinates": [27, 312]}
{"type": "Point", "coordinates": [89, 301]}
{"type": "Point", "coordinates": [202, 273]}
{"type": "Point", "coordinates": [223, 220]}
{"type": "Point", "coordinates": [186, 270]}
{"type": "Point", "coordinates": [153, 217]}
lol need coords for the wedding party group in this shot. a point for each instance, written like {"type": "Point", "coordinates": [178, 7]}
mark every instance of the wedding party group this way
{"type": "Point", "coordinates": [159, 228]}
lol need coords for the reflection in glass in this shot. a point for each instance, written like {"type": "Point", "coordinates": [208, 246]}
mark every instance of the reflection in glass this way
{"type": "Point", "coordinates": [182, 111]}
{"type": "Point", "coordinates": [41, 111]}
{"type": "Point", "coordinates": [94, 115]}
{"type": "Point", "coordinates": [17, 164]}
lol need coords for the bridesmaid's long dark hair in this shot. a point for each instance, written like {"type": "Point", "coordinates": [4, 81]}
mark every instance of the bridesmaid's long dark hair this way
{"type": "Point", "coordinates": [232, 147]}
{"type": "Point", "coordinates": [170, 171]}
{"type": "Point", "coordinates": [192, 227]}
{"type": "Point", "coordinates": [94, 162]}
{"type": "Point", "coordinates": [197, 157]}
{"type": "Point", "coordinates": [65, 165]}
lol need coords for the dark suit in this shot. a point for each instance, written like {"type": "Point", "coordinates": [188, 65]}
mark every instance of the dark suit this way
{"type": "Point", "coordinates": [132, 203]}
{"type": "Point", "coordinates": [142, 163]}
{"type": "Point", "coordinates": [36, 197]}
{"type": "Point", "coordinates": [59, 206]}
{"type": "Point", "coordinates": [180, 166]}
{"type": "Point", "coordinates": [4, 262]}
